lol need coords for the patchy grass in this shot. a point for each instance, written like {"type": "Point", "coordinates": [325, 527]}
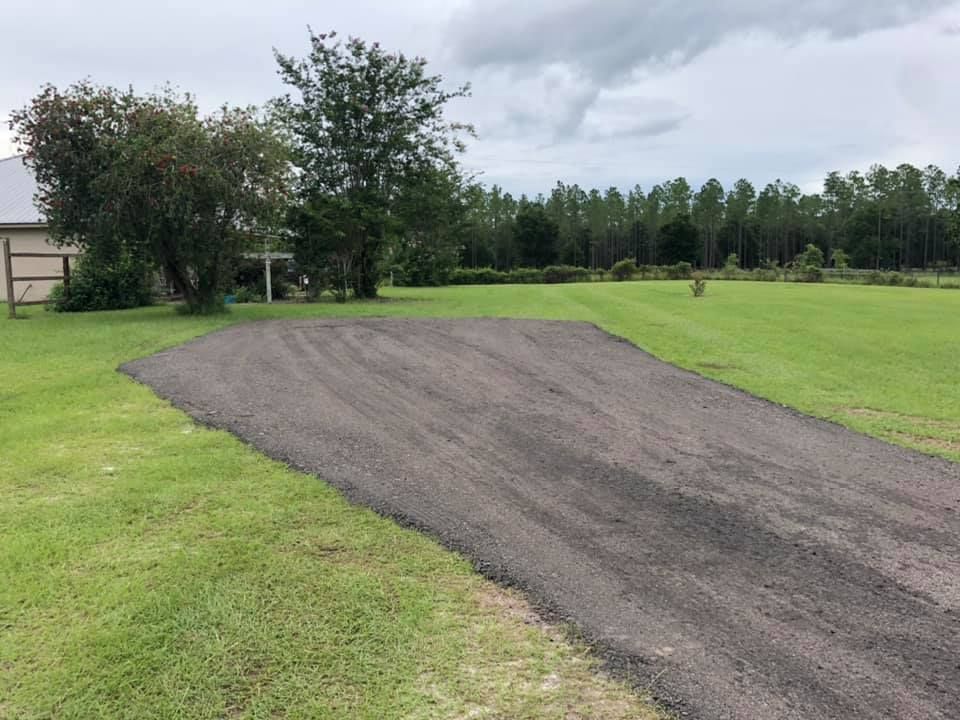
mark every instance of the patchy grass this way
{"type": "Point", "coordinates": [152, 568]}
{"type": "Point", "coordinates": [155, 569]}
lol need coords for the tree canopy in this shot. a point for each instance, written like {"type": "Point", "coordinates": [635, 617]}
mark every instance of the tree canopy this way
{"type": "Point", "coordinates": [129, 176]}
{"type": "Point", "coordinates": [367, 129]}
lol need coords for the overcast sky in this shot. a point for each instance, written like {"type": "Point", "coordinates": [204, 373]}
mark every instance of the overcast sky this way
{"type": "Point", "coordinates": [608, 92]}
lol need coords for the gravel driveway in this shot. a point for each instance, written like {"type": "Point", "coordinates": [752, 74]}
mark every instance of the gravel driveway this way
{"type": "Point", "coordinates": [743, 560]}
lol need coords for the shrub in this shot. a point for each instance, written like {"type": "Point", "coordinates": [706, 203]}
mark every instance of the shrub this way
{"type": "Point", "coordinates": [699, 285]}
{"type": "Point", "coordinates": [476, 276]}
{"type": "Point", "coordinates": [680, 271]}
{"type": "Point", "coordinates": [623, 270]}
{"type": "Point", "coordinates": [807, 273]}
{"type": "Point", "coordinates": [808, 264]}
{"type": "Point", "coordinates": [246, 295]}
{"type": "Point", "coordinates": [125, 283]}
{"type": "Point", "coordinates": [565, 273]}
{"type": "Point", "coordinates": [731, 266]}
{"type": "Point", "coordinates": [525, 275]}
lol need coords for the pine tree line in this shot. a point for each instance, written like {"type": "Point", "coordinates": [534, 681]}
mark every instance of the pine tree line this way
{"type": "Point", "coordinates": [884, 219]}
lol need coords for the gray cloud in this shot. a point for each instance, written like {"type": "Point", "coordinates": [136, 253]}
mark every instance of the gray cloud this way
{"type": "Point", "coordinates": [593, 46]}
{"type": "Point", "coordinates": [607, 40]}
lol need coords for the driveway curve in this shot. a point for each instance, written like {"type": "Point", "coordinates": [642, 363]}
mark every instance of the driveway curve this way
{"type": "Point", "coordinates": [738, 558]}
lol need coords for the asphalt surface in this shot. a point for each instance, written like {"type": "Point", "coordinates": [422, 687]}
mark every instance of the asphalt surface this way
{"type": "Point", "coordinates": [740, 559]}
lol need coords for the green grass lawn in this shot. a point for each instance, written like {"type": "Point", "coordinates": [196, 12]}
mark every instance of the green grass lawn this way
{"type": "Point", "coordinates": [152, 568]}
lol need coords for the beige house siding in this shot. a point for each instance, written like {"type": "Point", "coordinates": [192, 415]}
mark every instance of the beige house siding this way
{"type": "Point", "coordinates": [31, 239]}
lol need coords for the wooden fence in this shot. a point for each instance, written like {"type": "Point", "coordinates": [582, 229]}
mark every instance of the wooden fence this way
{"type": "Point", "coordinates": [8, 257]}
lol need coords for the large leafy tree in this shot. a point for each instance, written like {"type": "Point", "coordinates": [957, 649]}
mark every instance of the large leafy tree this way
{"type": "Point", "coordinates": [366, 125]}
{"type": "Point", "coordinates": [148, 177]}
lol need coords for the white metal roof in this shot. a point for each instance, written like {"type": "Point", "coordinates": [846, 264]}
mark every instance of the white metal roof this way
{"type": "Point", "coordinates": [17, 188]}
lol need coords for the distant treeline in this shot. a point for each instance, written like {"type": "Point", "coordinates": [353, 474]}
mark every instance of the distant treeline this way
{"type": "Point", "coordinates": [885, 219]}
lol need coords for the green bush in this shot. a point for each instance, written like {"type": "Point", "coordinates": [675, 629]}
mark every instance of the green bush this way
{"type": "Point", "coordinates": [246, 295]}
{"type": "Point", "coordinates": [525, 275]}
{"type": "Point", "coordinates": [565, 274]}
{"type": "Point", "coordinates": [119, 285]}
{"type": "Point", "coordinates": [477, 276]}
{"type": "Point", "coordinates": [624, 270]}
{"type": "Point", "coordinates": [807, 273]}
{"type": "Point", "coordinates": [731, 266]}
{"type": "Point", "coordinates": [699, 285]}
{"type": "Point", "coordinates": [680, 271]}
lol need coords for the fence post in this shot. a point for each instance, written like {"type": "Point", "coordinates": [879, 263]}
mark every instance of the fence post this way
{"type": "Point", "coordinates": [8, 269]}
{"type": "Point", "coordinates": [66, 277]}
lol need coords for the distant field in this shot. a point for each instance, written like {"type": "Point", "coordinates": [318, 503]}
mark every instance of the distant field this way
{"type": "Point", "coordinates": [152, 568]}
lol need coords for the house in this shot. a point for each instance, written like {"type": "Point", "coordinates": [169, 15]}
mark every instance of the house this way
{"type": "Point", "coordinates": [21, 222]}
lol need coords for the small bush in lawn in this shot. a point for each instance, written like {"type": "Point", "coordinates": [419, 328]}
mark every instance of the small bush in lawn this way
{"type": "Point", "coordinates": [699, 285]}
{"type": "Point", "coordinates": [624, 270]}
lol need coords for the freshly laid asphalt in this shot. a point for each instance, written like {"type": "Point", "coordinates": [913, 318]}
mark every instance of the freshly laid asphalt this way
{"type": "Point", "coordinates": [738, 558]}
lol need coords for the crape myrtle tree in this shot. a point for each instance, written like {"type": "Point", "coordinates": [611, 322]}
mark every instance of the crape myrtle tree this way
{"type": "Point", "coordinates": [366, 125]}
{"type": "Point", "coordinates": [148, 177]}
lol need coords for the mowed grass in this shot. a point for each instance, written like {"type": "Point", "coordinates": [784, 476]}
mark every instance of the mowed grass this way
{"type": "Point", "coordinates": [152, 568]}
